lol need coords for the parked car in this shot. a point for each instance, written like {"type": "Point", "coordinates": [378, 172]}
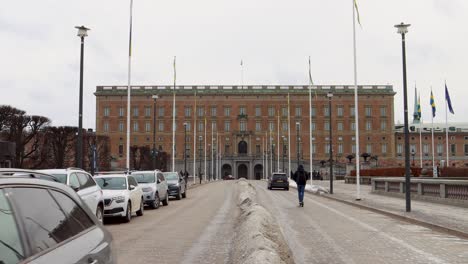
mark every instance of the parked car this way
{"type": "Point", "coordinates": [154, 187]}
{"type": "Point", "coordinates": [278, 180]}
{"type": "Point", "coordinates": [43, 221]}
{"type": "Point", "coordinates": [122, 196]}
{"type": "Point", "coordinates": [177, 185]}
{"type": "Point", "coordinates": [84, 184]}
{"type": "Point", "coordinates": [228, 177]}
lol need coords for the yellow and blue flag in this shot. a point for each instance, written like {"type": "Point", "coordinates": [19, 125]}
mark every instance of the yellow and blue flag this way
{"type": "Point", "coordinates": [357, 13]}
{"type": "Point", "coordinates": [449, 102]}
{"type": "Point", "coordinates": [433, 106]}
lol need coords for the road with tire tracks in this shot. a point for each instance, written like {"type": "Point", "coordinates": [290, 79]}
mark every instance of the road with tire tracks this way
{"type": "Point", "coordinates": [201, 228]}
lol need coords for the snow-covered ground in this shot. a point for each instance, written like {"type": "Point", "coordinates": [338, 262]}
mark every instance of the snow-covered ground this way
{"type": "Point", "coordinates": [258, 237]}
{"type": "Point", "coordinates": [310, 188]}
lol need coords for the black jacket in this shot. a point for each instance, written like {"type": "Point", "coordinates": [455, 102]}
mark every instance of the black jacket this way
{"type": "Point", "coordinates": [300, 176]}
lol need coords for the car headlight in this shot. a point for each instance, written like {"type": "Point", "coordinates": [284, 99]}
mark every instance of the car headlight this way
{"type": "Point", "coordinates": [119, 199]}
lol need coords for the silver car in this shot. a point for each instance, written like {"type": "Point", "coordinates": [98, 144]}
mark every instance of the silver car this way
{"type": "Point", "coordinates": [154, 186]}
{"type": "Point", "coordinates": [44, 221]}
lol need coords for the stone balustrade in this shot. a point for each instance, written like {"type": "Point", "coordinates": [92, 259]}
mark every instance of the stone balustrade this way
{"type": "Point", "coordinates": [447, 191]}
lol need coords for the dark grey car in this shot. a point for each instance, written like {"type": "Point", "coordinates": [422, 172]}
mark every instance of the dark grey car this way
{"type": "Point", "coordinates": [177, 187]}
{"type": "Point", "coordinates": [278, 180]}
{"type": "Point", "coordinates": [43, 221]}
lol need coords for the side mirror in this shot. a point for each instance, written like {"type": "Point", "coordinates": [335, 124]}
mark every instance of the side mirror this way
{"type": "Point", "coordinates": [132, 187]}
{"type": "Point", "coordinates": [158, 181]}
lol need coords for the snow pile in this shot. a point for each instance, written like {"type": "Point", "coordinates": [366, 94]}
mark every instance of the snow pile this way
{"type": "Point", "coordinates": [311, 188]}
{"type": "Point", "coordinates": [258, 237]}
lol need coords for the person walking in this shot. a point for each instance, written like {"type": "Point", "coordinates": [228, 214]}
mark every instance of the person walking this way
{"type": "Point", "coordinates": [300, 177]}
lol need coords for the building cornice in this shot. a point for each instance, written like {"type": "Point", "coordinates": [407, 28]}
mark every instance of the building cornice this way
{"type": "Point", "coordinates": [244, 90]}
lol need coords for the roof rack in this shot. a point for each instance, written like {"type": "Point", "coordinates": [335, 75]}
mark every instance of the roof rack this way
{"type": "Point", "coordinates": [7, 172]}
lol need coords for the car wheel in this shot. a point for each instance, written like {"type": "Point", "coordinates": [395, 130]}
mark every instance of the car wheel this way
{"type": "Point", "coordinates": [179, 196]}
{"type": "Point", "coordinates": [142, 208]}
{"type": "Point", "coordinates": [156, 202]}
{"type": "Point", "coordinates": [287, 189]}
{"type": "Point", "coordinates": [165, 202]}
{"type": "Point", "coordinates": [128, 215]}
{"type": "Point", "coordinates": [100, 214]}
{"type": "Point", "coordinates": [184, 195]}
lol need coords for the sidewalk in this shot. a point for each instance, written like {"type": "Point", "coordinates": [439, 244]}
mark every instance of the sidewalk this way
{"type": "Point", "coordinates": [446, 218]}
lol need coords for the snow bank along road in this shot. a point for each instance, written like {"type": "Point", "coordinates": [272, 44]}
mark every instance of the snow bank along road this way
{"type": "Point", "coordinates": [207, 227]}
{"type": "Point", "coordinates": [326, 231]}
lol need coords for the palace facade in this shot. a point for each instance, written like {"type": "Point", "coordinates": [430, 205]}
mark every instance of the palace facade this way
{"type": "Point", "coordinates": [245, 124]}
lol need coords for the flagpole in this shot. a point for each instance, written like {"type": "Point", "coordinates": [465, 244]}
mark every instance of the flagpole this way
{"type": "Point", "coordinates": [218, 176]}
{"type": "Point", "coordinates": [420, 131]}
{"type": "Point", "coordinates": [205, 151]}
{"type": "Point", "coordinates": [310, 125]}
{"type": "Point", "coordinates": [278, 144]}
{"type": "Point", "coordinates": [128, 88]}
{"type": "Point", "coordinates": [212, 151]}
{"type": "Point", "coordinates": [272, 152]}
{"type": "Point", "coordinates": [263, 158]}
{"type": "Point", "coordinates": [356, 107]}
{"type": "Point", "coordinates": [289, 140]}
{"type": "Point", "coordinates": [434, 172]}
{"type": "Point", "coordinates": [195, 139]}
{"type": "Point", "coordinates": [420, 142]}
{"type": "Point", "coordinates": [446, 133]}
{"type": "Point", "coordinates": [173, 117]}
{"type": "Point", "coordinates": [242, 73]}
{"type": "Point", "coordinates": [266, 154]}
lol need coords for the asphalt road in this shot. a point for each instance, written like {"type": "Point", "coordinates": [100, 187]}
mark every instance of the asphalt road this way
{"type": "Point", "coordinates": [201, 228]}
{"type": "Point", "coordinates": [326, 231]}
{"type": "Point", "coordinates": [198, 229]}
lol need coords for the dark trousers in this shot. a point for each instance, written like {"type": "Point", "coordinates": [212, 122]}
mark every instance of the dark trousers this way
{"type": "Point", "coordinates": [300, 192]}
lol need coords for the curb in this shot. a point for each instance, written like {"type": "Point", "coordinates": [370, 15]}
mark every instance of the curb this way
{"type": "Point", "coordinates": [436, 227]}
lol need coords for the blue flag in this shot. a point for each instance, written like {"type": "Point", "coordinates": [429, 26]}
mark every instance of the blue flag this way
{"type": "Point", "coordinates": [433, 106]}
{"type": "Point", "coordinates": [449, 102]}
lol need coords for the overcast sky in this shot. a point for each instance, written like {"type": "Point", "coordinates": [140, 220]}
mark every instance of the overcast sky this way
{"type": "Point", "coordinates": [40, 49]}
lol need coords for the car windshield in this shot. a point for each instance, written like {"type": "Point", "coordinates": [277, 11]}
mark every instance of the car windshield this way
{"type": "Point", "coordinates": [171, 176]}
{"type": "Point", "coordinates": [279, 176]}
{"type": "Point", "coordinates": [144, 177]}
{"type": "Point", "coordinates": [112, 183]}
{"type": "Point", "coordinates": [60, 177]}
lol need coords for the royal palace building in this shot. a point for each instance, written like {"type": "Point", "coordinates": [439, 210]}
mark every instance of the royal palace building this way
{"type": "Point", "coordinates": [246, 125]}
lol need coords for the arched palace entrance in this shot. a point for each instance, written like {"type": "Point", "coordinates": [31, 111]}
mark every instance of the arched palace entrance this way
{"type": "Point", "coordinates": [226, 170]}
{"type": "Point", "coordinates": [258, 171]}
{"type": "Point", "coordinates": [242, 171]}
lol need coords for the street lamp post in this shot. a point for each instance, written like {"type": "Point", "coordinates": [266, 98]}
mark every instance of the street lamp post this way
{"type": "Point", "coordinates": [284, 151]}
{"type": "Point", "coordinates": [200, 159]}
{"type": "Point", "coordinates": [185, 149]}
{"type": "Point", "coordinates": [413, 154]}
{"type": "Point", "coordinates": [82, 33]}
{"type": "Point", "coordinates": [297, 142]}
{"type": "Point", "coordinates": [403, 29]}
{"type": "Point", "coordinates": [330, 95]}
{"type": "Point", "coordinates": [154, 130]}
{"type": "Point", "coordinates": [209, 163]}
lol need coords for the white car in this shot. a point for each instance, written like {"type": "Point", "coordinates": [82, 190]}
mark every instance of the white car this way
{"type": "Point", "coordinates": [154, 186]}
{"type": "Point", "coordinates": [84, 185]}
{"type": "Point", "coordinates": [122, 196]}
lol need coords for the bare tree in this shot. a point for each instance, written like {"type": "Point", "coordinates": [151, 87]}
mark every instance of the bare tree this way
{"type": "Point", "coordinates": [23, 130]}
{"type": "Point", "coordinates": [7, 114]}
{"type": "Point", "coordinates": [61, 142]}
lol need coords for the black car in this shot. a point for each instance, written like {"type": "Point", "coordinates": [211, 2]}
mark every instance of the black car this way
{"type": "Point", "coordinates": [278, 180]}
{"type": "Point", "coordinates": [44, 221]}
{"type": "Point", "coordinates": [176, 185]}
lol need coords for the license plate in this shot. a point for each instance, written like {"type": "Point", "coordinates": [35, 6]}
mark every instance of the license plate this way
{"type": "Point", "coordinates": [279, 181]}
